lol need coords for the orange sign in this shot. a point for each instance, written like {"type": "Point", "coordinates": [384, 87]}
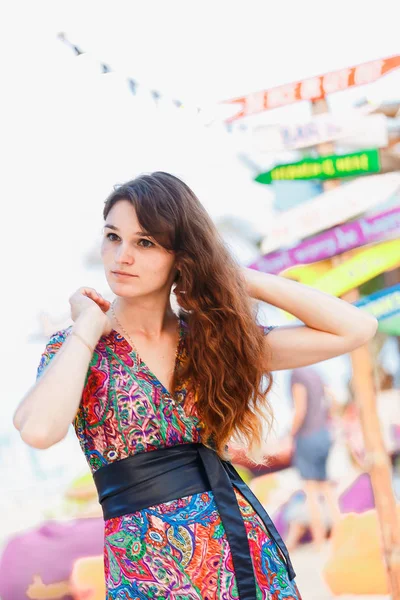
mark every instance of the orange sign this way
{"type": "Point", "coordinates": [314, 88]}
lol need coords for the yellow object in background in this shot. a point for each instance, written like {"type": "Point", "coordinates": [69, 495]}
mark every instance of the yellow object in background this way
{"type": "Point", "coordinates": [363, 265]}
{"type": "Point", "coordinates": [244, 473]}
{"type": "Point", "coordinates": [308, 273]}
{"type": "Point", "coordinates": [82, 488]}
{"type": "Point", "coordinates": [360, 268]}
{"type": "Point", "coordinates": [356, 565]}
{"type": "Point", "coordinates": [263, 485]}
{"type": "Point", "coordinates": [80, 500]}
{"type": "Point", "coordinates": [87, 578]}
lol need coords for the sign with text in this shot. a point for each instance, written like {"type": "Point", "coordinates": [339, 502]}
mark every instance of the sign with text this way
{"type": "Point", "coordinates": [333, 242]}
{"type": "Point", "coordinates": [383, 304]}
{"type": "Point", "coordinates": [361, 268]}
{"type": "Point", "coordinates": [324, 167]}
{"type": "Point", "coordinates": [329, 209]}
{"type": "Point", "coordinates": [355, 131]}
{"type": "Point", "coordinates": [313, 88]}
{"type": "Point", "coordinates": [307, 274]}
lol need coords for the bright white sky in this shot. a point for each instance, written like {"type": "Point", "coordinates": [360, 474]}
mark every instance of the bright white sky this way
{"type": "Point", "coordinates": [68, 134]}
{"type": "Point", "coordinates": [215, 50]}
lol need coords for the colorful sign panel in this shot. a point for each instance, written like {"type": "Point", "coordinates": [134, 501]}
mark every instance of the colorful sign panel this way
{"type": "Point", "coordinates": [333, 242]}
{"type": "Point", "coordinates": [325, 167]}
{"type": "Point", "coordinates": [361, 268]}
{"type": "Point", "coordinates": [313, 88]}
{"type": "Point", "coordinates": [383, 304]}
{"type": "Point", "coordinates": [308, 274]}
{"type": "Point", "coordinates": [354, 130]}
{"type": "Point", "coordinates": [329, 209]}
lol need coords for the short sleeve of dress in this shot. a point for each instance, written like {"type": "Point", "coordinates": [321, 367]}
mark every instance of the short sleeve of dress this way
{"type": "Point", "coordinates": [52, 347]}
{"type": "Point", "coordinates": [266, 329]}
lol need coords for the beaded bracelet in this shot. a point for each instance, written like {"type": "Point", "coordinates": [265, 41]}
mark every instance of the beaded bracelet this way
{"type": "Point", "coordinates": [83, 341]}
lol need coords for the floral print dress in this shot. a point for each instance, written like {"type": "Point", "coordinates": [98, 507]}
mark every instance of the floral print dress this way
{"type": "Point", "coordinates": [176, 550]}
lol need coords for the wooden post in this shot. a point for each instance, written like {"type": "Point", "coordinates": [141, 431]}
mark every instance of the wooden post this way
{"type": "Point", "coordinates": [378, 463]}
{"type": "Point", "coordinates": [377, 460]}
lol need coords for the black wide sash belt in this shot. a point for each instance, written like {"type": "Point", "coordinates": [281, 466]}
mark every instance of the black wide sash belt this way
{"type": "Point", "coordinates": [150, 478]}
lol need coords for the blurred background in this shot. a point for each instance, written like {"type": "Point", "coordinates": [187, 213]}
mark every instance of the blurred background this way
{"type": "Point", "coordinates": [284, 118]}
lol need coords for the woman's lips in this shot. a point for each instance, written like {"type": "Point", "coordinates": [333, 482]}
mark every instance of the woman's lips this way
{"type": "Point", "coordinates": [119, 274]}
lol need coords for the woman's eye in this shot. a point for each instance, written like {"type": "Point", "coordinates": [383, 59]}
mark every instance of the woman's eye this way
{"type": "Point", "coordinates": [112, 239]}
{"type": "Point", "coordinates": [145, 243]}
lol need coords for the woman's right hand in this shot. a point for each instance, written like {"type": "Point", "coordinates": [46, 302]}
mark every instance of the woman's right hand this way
{"type": "Point", "coordinates": [86, 298]}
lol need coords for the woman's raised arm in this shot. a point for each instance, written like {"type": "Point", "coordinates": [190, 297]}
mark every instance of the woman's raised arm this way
{"type": "Point", "coordinates": [331, 326]}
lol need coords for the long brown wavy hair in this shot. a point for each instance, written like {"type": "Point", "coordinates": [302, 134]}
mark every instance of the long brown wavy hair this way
{"type": "Point", "coordinates": [225, 362]}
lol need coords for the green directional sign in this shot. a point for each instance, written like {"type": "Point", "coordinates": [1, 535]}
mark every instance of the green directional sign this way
{"type": "Point", "coordinates": [325, 167]}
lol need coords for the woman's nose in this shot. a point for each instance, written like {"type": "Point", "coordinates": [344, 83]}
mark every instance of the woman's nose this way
{"type": "Point", "coordinates": [125, 255]}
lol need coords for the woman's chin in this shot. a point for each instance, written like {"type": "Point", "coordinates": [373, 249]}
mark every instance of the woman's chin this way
{"type": "Point", "coordinates": [123, 289]}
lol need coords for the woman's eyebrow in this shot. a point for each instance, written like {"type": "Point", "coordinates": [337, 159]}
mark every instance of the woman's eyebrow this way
{"type": "Point", "coordinates": [109, 226]}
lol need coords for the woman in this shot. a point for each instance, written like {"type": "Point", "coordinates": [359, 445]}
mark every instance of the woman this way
{"type": "Point", "coordinates": [155, 398]}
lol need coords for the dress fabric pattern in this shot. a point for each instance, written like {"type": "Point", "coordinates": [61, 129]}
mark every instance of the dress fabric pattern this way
{"type": "Point", "coordinates": [176, 550]}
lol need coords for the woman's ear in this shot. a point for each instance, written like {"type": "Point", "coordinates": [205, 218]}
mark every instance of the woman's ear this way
{"type": "Point", "coordinates": [177, 273]}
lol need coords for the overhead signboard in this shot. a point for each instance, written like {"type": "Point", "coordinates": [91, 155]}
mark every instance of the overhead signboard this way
{"type": "Point", "coordinates": [353, 130]}
{"type": "Point", "coordinates": [313, 88]}
{"type": "Point", "coordinates": [329, 209]}
{"type": "Point", "coordinates": [363, 266]}
{"type": "Point", "coordinates": [360, 268]}
{"type": "Point", "coordinates": [324, 167]}
{"type": "Point", "coordinates": [333, 242]}
{"type": "Point", "coordinates": [307, 274]}
{"type": "Point", "coordinates": [383, 304]}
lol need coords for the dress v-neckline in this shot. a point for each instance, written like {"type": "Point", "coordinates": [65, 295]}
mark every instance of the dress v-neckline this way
{"type": "Point", "coordinates": [141, 364]}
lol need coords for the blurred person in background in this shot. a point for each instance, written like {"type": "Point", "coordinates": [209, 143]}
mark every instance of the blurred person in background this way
{"type": "Point", "coordinates": [388, 407]}
{"type": "Point", "coordinates": [312, 442]}
{"type": "Point", "coordinates": [155, 397]}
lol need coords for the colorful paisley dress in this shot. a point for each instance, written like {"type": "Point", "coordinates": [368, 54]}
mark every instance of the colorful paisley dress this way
{"type": "Point", "coordinates": [177, 550]}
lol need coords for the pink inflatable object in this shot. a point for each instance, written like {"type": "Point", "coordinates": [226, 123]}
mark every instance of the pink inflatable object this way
{"type": "Point", "coordinates": [40, 561]}
{"type": "Point", "coordinates": [358, 497]}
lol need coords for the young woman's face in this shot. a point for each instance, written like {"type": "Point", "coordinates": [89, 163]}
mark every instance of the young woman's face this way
{"type": "Point", "coordinates": [126, 248]}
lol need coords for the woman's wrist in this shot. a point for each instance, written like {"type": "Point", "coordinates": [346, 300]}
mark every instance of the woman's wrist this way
{"type": "Point", "coordinates": [255, 282]}
{"type": "Point", "coordinates": [89, 325]}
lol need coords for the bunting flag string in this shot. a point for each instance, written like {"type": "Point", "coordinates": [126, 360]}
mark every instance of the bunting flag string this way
{"type": "Point", "coordinates": [133, 84]}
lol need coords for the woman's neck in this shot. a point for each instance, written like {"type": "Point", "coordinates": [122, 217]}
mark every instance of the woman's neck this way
{"type": "Point", "coordinates": [148, 317]}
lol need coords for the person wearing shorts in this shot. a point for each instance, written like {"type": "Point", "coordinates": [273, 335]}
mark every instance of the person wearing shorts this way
{"type": "Point", "coordinates": [312, 442]}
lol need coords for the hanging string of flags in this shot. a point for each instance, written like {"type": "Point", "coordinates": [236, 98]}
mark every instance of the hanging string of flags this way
{"type": "Point", "coordinates": [133, 84]}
